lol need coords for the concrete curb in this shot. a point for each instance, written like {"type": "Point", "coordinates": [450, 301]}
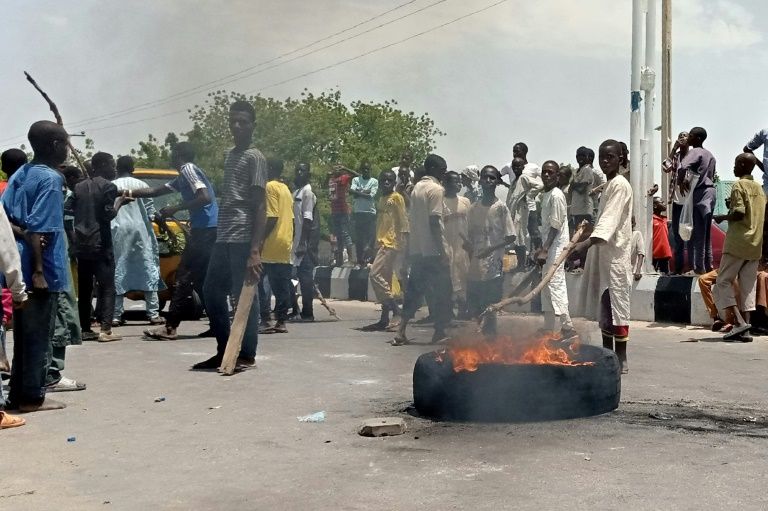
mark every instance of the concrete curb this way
{"type": "Point", "coordinates": [655, 298]}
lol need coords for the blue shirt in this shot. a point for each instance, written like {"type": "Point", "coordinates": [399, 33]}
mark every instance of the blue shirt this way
{"type": "Point", "coordinates": [190, 180]}
{"type": "Point", "coordinates": [365, 204]}
{"type": "Point", "coordinates": [760, 139]}
{"type": "Point", "coordinates": [34, 200]}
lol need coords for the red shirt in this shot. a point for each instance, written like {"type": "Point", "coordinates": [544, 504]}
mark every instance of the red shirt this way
{"type": "Point", "coordinates": [337, 191]}
{"type": "Point", "coordinates": [661, 248]}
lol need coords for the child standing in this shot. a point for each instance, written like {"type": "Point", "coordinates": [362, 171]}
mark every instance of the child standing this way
{"type": "Point", "coordinates": [743, 247]}
{"type": "Point", "coordinates": [608, 270]}
{"type": "Point", "coordinates": [554, 233]}
{"type": "Point", "coordinates": [490, 230]}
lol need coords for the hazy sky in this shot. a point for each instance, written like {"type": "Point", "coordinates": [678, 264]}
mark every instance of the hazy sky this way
{"type": "Point", "coordinates": [552, 73]}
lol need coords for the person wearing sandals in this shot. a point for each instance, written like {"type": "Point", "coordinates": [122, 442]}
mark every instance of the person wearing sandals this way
{"type": "Point", "coordinates": [278, 242]}
{"type": "Point", "coordinates": [10, 266]}
{"type": "Point", "coordinates": [34, 203]}
{"type": "Point", "coordinates": [137, 257]}
{"type": "Point", "coordinates": [199, 198]}
{"type": "Point", "coordinates": [742, 249]}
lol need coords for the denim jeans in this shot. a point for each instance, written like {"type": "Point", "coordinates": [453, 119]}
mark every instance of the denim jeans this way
{"type": "Point", "coordinates": [702, 244]}
{"type": "Point", "coordinates": [279, 276]}
{"type": "Point", "coordinates": [340, 224]}
{"type": "Point", "coordinates": [34, 326]}
{"type": "Point", "coordinates": [265, 298]}
{"type": "Point", "coordinates": [225, 275]}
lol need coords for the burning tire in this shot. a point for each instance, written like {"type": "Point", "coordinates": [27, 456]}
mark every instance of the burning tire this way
{"type": "Point", "coordinates": [518, 392]}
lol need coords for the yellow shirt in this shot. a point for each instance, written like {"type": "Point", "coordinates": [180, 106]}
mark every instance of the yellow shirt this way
{"type": "Point", "coordinates": [277, 246]}
{"type": "Point", "coordinates": [392, 221]}
{"type": "Point", "coordinates": [745, 237]}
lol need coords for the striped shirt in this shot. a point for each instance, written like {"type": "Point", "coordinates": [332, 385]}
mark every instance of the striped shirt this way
{"type": "Point", "coordinates": [243, 170]}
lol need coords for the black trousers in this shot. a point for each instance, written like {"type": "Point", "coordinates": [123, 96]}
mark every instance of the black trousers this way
{"type": "Point", "coordinates": [102, 270]}
{"type": "Point", "coordinates": [33, 329]}
{"type": "Point", "coordinates": [190, 275]}
{"type": "Point", "coordinates": [429, 278]}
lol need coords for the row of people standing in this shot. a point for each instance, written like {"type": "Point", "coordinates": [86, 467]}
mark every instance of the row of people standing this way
{"type": "Point", "coordinates": [454, 248]}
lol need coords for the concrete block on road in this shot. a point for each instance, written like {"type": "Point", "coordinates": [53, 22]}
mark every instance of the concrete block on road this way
{"type": "Point", "coordinates": [383, 426]}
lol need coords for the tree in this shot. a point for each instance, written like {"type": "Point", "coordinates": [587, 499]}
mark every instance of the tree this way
{"type": "Point", "coordinates": [316, 128]}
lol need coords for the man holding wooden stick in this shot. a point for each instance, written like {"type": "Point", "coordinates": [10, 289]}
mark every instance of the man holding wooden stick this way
{"type": "Point", "coordinates": [235, 263]}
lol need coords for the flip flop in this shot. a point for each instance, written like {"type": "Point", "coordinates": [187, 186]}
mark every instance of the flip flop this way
{"type": "Point", "coordinates": [273, 330]}
{"type": "Point", "coordinates": [374, 327]}
{"type": "Point", "coordinates": [8, 421]}
{"type": "Point", "coordinates": [158, 335]}
{"type": "Point", "coordinates": [734, 334]}
{"type": "Point", "coordinates": [400, 341]}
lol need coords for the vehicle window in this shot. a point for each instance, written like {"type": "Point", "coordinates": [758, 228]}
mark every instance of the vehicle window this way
{"type": "Point", "coordinates": [165, 200]}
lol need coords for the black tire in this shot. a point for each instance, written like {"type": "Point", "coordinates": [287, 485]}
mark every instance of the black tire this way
{"type": "Point", "coordinates": [518, 392]}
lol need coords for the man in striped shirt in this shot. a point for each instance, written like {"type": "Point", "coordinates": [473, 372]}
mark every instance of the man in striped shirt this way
{"type": "Point", "coordinates": [236, 255]}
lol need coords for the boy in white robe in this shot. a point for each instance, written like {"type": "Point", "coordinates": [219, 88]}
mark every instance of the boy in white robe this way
{"type": "Point", "coordinates": [521, 202]}
{"type": "Point", "coordinates": [608, 270]}
{"type": "Point", "coordinates": [554, 233]}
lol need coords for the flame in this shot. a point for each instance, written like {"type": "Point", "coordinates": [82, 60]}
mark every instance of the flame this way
{"type": "Point", "coordinates": [467, 355]}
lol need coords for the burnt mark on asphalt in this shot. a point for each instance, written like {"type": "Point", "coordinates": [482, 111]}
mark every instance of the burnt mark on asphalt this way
{"type": "Point", "coordinates": [696, 418]}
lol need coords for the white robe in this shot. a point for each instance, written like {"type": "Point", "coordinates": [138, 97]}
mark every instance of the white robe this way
{"type": "Point", "coordinates": [137, 260]}
{"type": "Point", "coordinates": [521, 200]}
{"type": "Point", "coordinates": [554, 215]}
{"type": "Point", "coordinates": [608, 265]}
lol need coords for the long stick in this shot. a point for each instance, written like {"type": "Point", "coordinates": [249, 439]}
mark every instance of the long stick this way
{"type": "Point", "coordinates": [235, 341]}
{"type": "Point", "coordinates": [330, 309]}
{"type": "Point", "coordinates": [487, 318]}
{"type": "Point", "coordinates": [59, 121]}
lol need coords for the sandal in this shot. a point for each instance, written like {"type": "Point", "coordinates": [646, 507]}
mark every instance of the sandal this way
{"type": "Point", "coordinates": [400, 341]}
{"type": "Point", "coordinates": [374, 327]}
{"type": "Point", "coordinates": [65, 385]}
{"type": "Point", "coordinates": [160, 334]}
{"type": "Point", "coordinates": [8, 421]}
{"type": "Point", "coordinates": [274, 330]}
{"type": "Point", "coordinates": [737, 332]}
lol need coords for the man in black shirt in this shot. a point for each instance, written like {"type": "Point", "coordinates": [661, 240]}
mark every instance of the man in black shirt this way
{"type": "Point", "coordinates": [94, 205]}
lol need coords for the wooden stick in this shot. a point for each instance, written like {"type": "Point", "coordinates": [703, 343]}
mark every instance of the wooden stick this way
{"type": "Point", "coordinates": [545, 278]}
{"type": "Point", "coordinates": [235, 341]}
{"type": "Point", "coordinates": [330, 309]}
{"type": "Point", "coordinates": [59, 121]}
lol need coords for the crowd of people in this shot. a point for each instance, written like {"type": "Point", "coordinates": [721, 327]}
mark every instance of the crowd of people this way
{"type": "Point", "coordinates": [428, 235]}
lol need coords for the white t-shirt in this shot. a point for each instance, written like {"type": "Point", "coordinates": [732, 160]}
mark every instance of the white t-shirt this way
{"type": "Point", "coordinates": [304, 201]}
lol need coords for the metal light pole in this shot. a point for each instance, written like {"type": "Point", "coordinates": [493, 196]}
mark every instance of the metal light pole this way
{"type": "Point", "coordinates": [666, 88]}
{"type": "Point", "coordinates": [642, 161]}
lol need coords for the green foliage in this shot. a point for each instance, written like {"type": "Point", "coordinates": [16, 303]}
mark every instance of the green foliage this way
{"type": "Point", "coordinates": [153, 155]}
{"type": "Point", "coordinates": [315, 128]}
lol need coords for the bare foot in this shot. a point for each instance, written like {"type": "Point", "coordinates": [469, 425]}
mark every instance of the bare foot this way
{"type": "Point", "coordinates": [47, 404]}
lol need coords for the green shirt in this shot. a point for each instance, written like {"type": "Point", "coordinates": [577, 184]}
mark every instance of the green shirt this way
{"type": "Point", "coordinates": [745, 237]}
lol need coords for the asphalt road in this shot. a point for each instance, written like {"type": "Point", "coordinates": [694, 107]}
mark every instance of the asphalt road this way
{"type": "Point", "coordinates": [235, 442]}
